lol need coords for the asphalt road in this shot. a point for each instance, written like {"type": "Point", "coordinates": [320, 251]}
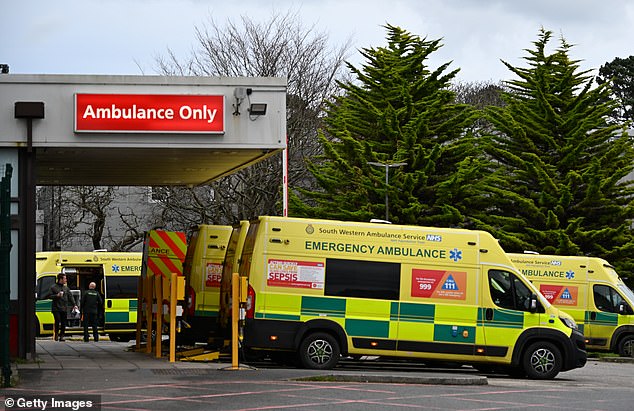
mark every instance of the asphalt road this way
{"type": "Point", "coordinates": [597, 386]}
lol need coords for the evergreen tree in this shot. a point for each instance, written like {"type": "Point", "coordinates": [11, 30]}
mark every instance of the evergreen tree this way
{"type": "Point", "coordinates": [559, 182]}
{"type": "Point", "coordinates": [396, 110]}
{"type": "Point", "coordinates": [619, 73]}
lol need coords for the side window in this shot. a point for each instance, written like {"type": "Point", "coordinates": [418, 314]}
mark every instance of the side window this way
{"type": "Point", "coordinates": [121, 287]}
{"type": "Point", "coordinates": [500, 288]}
{"type": "Point", "coordinates": [508, 291]}
{"type": "Point", "coordinates": [607, 299]}
{"type": "Point", "coordinates": [43, 288]}
{"type": "Point", "coordinates": [362, 279]}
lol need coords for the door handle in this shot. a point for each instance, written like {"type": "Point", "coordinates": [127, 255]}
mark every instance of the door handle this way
{"type": "Point", "coordinates": [593, 315]}
{"type": "Point", "coordinates": [488, 314]}
{"type": "Point", "coordinates": [109, 304]}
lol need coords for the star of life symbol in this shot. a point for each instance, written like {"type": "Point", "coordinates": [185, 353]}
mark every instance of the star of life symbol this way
{"type": "Point", "coordinates": [450, 284]}
{"type": "Point", "coordinates": [566, 295]}
{"type": "Point", "coordinates": [455, 255]}
{"type": "Point", "coordinates": [570, 275]}
{"type": "Point", "coordinates": [115, 268]}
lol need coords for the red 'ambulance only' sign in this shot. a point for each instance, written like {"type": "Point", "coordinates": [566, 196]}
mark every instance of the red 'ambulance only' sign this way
{"type": "Point", "coordinates": [150, 113]}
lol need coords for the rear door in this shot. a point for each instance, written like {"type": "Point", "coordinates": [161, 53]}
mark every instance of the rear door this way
{"type": "Point", "coordinates": [120, 302]}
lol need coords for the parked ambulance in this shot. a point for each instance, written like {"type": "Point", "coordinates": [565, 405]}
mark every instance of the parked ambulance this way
{"type": "Point", "coordinates": [319, 289]}
{"type": "Point", "coordinates": [116, 275]}
{"type": "Point", "coordinates": [232, 264]}
{"type": "Point", "coordinates": [202, 269]}
{"type": "Point", "coordinates": [591, 291]}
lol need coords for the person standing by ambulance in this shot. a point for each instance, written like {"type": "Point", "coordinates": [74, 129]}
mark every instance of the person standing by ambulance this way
{"type": "Point", "coordinates": [62, 297]}
{"type": "Point", "coordinates": [90, 303]}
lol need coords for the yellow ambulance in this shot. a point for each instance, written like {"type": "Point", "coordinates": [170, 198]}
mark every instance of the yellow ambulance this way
{"type": "Point", "coordinates": [116, 275]}
{"type": "Point", "coordinates": [202, 269]}
{"type": "Point", "coordinates": [319, 289]}
{"type": "Point", "coordinates": [232, 264]}
{"type": "Point", "coordinates": [591, 291]}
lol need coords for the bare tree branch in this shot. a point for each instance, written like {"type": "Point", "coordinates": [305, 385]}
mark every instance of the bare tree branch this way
{"type": "Point", "coordinates": [278, 47]}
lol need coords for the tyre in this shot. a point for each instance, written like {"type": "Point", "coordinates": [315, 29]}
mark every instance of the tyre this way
{"type": "Point", "coordinates": [626, 346]}
{"type": "Point", "coordinates": [319, 351]}
{"type": "Point", "coordinates": [542, 361]}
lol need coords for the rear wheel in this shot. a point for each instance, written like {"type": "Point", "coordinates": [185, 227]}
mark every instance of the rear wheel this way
{"type": "Point", "coordinates": [542, 361]}
{"type": "Point", "coordinates": [319, 351]}
{"type": "Point", "coordinates": [626, 346]}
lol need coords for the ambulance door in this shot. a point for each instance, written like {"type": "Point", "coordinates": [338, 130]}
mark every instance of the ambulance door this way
{"type": "Point", "coordinates": [505, 313]}
{"type": "Point", "coordinates": [120, 302]}
{"type": "Point", "coordinates": [602, 316]}
{"type": "Point", "coordinates": [213, 258]}
{"type": "Point", "coordinates": [43, 304]}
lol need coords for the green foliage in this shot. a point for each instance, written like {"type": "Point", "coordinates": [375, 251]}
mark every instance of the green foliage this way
{"type": "Point", "coordinates": [398, 110]}
{"type": "Point", "coordinates": [619, 75]}
{"type": "Point", "coordinates": [558, 167]}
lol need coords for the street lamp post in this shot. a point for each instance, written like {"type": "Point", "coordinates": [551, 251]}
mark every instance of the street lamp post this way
{"type": "Point", "coordinates": [387, 167]}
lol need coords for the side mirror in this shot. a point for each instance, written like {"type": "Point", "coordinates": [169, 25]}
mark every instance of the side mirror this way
{"type": "Point", "coordinates": [624, 308]}
{"type": "Point", "coordinates": [533, 303]}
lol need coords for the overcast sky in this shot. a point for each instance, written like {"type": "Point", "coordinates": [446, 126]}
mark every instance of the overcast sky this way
{"type": "Point", "coordinates": [125, 36]}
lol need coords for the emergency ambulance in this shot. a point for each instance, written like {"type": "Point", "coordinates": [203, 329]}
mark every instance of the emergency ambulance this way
{"type": "Point", "coordinates": [232, 264]}
{"type": "Point", "coordinates": [319, 289]}
{"type": "Point", "coordinates": [116, 275]}
{"type": "Point", "coordinates": [202, 269]}
{"type": "Point", "coordinates": [591, 291]}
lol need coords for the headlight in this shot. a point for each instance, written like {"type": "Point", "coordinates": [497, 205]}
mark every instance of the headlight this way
{"type": "Point", "coordinates": [568, 322]}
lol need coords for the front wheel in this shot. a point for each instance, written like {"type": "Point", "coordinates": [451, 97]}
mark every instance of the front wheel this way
{"type": "Point", "coordinates": [542, 361]}
{"type": "Point", "coordinates": [626, 346]}
{"type": "Point", "coordinates": [319, 351]}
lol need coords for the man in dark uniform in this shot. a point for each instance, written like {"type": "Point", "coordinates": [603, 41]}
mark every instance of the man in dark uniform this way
{"type": "Point", "coordinates": [90, 303]}
{"type": "Point", "coordinates": [62, 298]}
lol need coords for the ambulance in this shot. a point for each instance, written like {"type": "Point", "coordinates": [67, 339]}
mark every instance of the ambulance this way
{"type": "Point", "coordinates": [591, 291]}
{"type": "Point", "coordinates": [232, 264]}
{"type": "Point", "coordinates": [202, 269]}
{"type": "Point", "coordinates": [116, 275]}
{"type": "Point", "coordinates": [320, 289]}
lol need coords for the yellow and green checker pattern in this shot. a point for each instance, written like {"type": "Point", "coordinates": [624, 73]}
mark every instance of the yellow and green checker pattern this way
{"type": "Point", "coordinates": [419, 329]}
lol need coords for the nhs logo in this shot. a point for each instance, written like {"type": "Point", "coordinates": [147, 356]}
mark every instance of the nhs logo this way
{"type": "Point", "coordinates": [556, 263]}
{"type": "Point", "coordinates": [434, 237]}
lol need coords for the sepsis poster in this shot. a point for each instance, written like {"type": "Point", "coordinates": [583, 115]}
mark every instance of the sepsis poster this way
{"type": "Point", "coordinates": [560, 294]}
{"type": "Point", "coordinates": [214, 275]}
{"type": "Point", "coordinates": [439, 284]}
{"type": "Point", "coordinates": [295, 274]}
